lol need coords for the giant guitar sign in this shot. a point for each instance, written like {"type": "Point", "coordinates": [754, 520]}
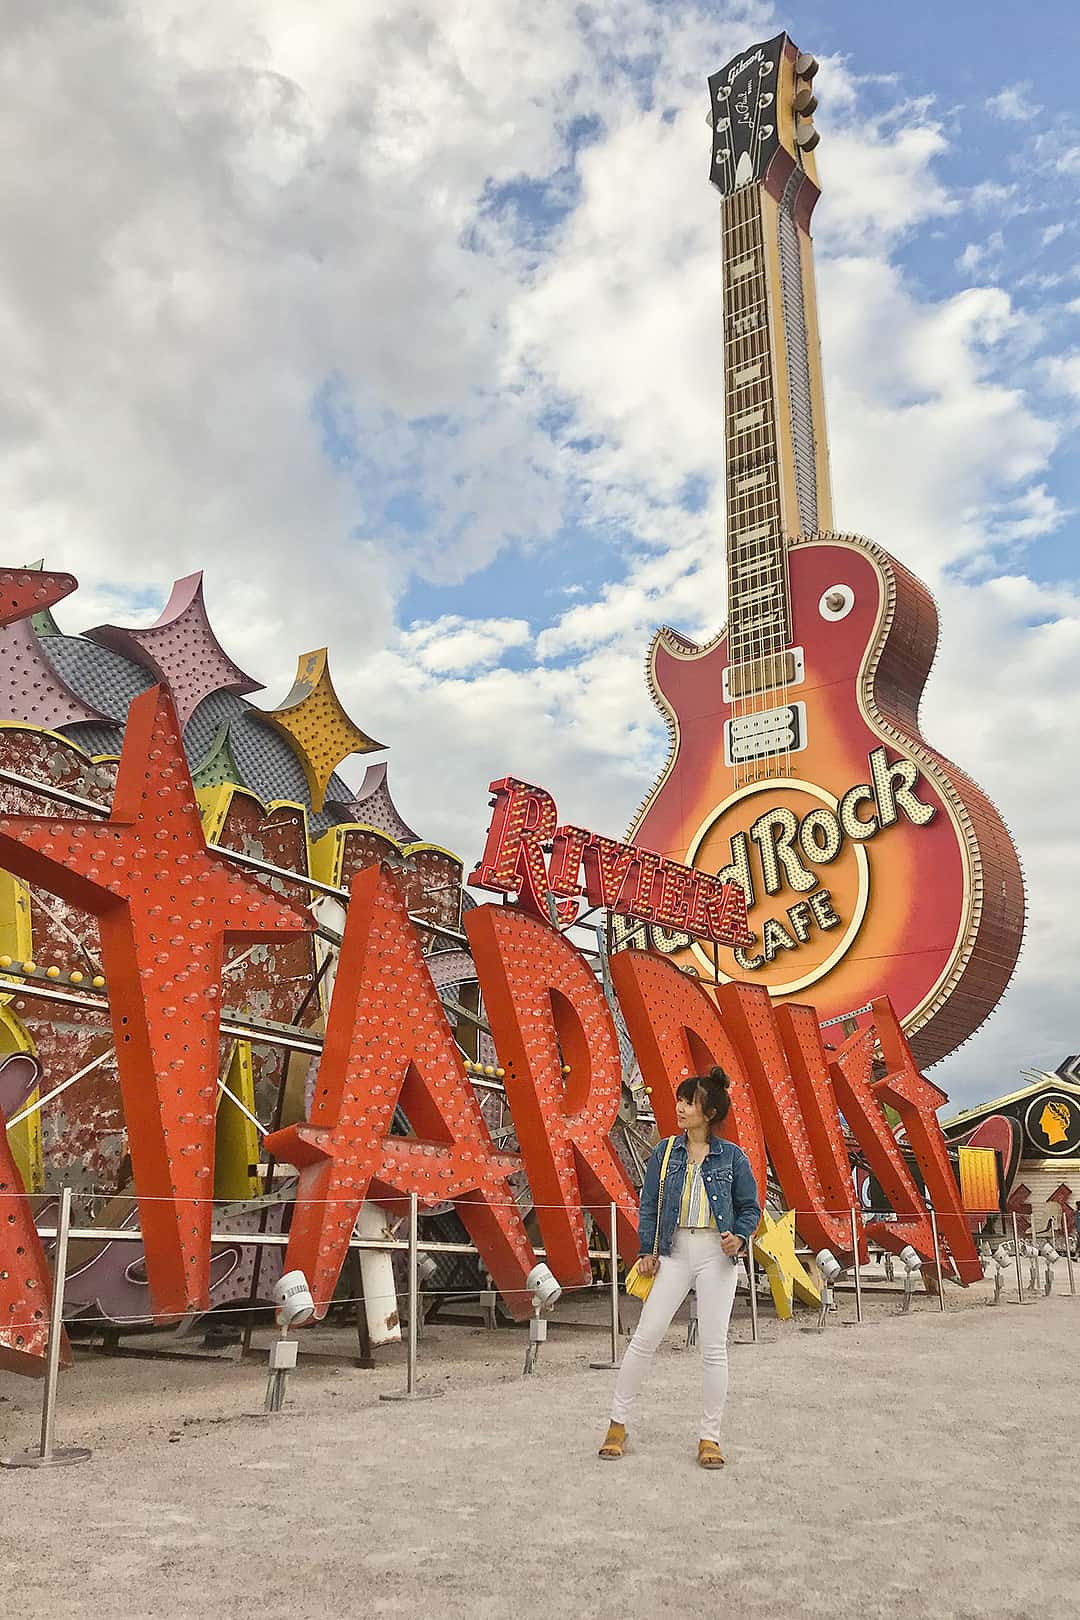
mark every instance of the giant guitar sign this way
{"type": "Point", "coordinates": [871, 865]}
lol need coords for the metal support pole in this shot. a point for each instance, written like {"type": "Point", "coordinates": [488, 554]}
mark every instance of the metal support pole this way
{"type": "Point", "coordinates": [753, 1289]}
{"type": "Point", "coordinates": [858, 1277]}
{"type": "Point", "coordinates": [410, 1392]}
{"type": "Point", "coordinates": [1068, 1251]}
{"type": "Point", "coordinates": [609, 1366]}
{"type": "Point", "coordinates": [48, 1455]}
{"type": "Point", "coordinates": [1019, 1274]}
{"type": "Point", "coordinates": [937, 1262]}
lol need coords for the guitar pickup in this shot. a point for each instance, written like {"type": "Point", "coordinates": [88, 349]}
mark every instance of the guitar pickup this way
{"type": "Point", "coordinates": [765, 733]}
{"type": "Point", "coordinates": [765, 674]}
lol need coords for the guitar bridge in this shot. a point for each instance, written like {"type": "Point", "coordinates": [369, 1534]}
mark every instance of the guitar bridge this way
{"type": "Point", "coordinates": [764, 674]}
{"type": "Point", "coordinates": [765, 733]}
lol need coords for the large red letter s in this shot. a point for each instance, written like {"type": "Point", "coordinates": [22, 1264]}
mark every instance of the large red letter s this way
{"type": "Point", "coordinates": [388, 1042]}
{"type": "Point", "coordinates": [546, 1009]}
{"type": "Point", "coordinates": [917, 1101]}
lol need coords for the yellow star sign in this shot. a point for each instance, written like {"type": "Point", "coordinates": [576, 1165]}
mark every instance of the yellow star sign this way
{"type": "Point", "coordinates": [774, 1248]}
{"type": "Point", "coordinates": [317, 726]}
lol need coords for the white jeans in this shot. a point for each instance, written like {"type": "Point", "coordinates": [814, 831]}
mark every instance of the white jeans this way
{"type": "Point", "coordinates": [696, 1261]}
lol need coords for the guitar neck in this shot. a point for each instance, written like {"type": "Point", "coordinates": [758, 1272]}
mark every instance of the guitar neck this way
{"type": "Point", "coordinates": [776, 451]}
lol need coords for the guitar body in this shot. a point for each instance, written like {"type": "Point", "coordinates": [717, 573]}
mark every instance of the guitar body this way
{"type": "Point", "coordinates": [910, 888]}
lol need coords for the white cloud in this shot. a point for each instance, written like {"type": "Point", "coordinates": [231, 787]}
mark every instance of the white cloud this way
{"type": "Point", "coordinates": [454, 646]}
{"type": "Point", "coordinates": [1063, 371]}
{"type": "Point", "coordinates": [1015, 103]}
{"type": "Point", "coordinates": [977, 257]}
{"type": "Point", "coordinates": [239, 235]}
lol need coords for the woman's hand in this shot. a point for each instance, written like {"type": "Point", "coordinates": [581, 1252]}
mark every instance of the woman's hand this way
{"type": "Point", "coordinates": [648, 1264]}
{"type": "Point", "coordinates": [730, 1243]}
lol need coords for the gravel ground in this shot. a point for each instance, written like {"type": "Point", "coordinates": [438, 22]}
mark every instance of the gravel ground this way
{"type": "Point", "coordinates": [910, 1467]}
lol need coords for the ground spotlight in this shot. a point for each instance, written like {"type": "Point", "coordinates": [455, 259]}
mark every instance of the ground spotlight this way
{"type": "Point", "coordinates": [911, 1260]}
{"type": "Point", "coordinates": [1050, 1255]}
{"type": "Point", "coordinates": [1002, 1261]}
{"type": "Point", "coordinates": [546, 1292]}
{"type": "Point", "coordinates": [830, 1265]}
{"type": "Point", "coordinates": [293, 1300]}
{"type": "Point", "coordinates": [294, 1306]}
{"type": "Point", "coordinates": [830, 1269]}
{"type": "Point", "coordinates": [543, 1286]}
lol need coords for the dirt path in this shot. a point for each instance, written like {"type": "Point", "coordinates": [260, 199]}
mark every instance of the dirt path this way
{"type": "Point", "coordinates": [913, 1467]}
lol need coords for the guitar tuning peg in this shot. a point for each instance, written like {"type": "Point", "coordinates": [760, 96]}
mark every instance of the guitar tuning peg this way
{"type": "Point", "coordinates": [806, 65]}
{"type": "Point", "coordinates": [806, 136]}
{"type": "Point", "coordinates": [805, 100]}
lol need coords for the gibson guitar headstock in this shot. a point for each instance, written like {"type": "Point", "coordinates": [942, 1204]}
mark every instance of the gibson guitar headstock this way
{"type": "Point", "coordinates": [761, 113]}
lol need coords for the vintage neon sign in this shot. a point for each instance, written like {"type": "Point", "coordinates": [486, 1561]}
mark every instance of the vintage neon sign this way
{"type": "Point", "coordinates": [167, 903]}
{"type": "Point", "coordinates": [623, 879]}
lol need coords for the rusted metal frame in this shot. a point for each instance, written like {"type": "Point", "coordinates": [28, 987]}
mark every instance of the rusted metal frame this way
{"type": "Point", "coordinates": [271, 1163]}
{"type": "Point", "coordinates": [259, 1034]}
{"type": "Point", "coordinates": [62, 796]}
{"type": "Point", "coordinates": [88, 1068]}
{"type": "Point", "coordinates": [272, 1240]}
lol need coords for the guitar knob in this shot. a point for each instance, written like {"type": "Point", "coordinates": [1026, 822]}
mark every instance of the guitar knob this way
{"type": "Point", "coordinates": [837, 602]}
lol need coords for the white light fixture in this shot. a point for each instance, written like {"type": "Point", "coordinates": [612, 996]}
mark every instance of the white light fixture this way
{"type": "Point", "coordinates": [294, 1307]}
{"type": "Point", "coordinates": [292, 1297]}
{"type": "Point", "coordinates": [1049, 1254]}
{"type": "Point", "coordinates": [546, 1292]}
{"type": "Point", "coordinates": [830, 1265]}
{"type": "Point", "coordinates": [830, 1269]}
{"type": "Point", "coordinates": [911, 1260]}
{"type": "Point", "coordinates": [543, 1286]}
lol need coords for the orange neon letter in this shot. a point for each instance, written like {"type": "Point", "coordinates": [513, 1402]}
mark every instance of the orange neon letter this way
{"type": "Point", "coordinates": [546, 1009]}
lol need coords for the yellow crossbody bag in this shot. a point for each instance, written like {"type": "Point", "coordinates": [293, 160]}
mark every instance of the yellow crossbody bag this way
{"type": "Point", "coordinates": [637, 1286]}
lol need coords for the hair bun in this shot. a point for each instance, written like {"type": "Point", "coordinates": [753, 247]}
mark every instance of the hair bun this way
{"type": "Point", "coordinates": [719, 1077]}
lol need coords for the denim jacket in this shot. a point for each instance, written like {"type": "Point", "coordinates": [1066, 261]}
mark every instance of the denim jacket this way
{"type": "Point", "coordinates": [729, 1183]}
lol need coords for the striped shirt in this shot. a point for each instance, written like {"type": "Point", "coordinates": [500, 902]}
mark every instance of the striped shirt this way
{"type": "Point", "coordinates": [695, 1210]}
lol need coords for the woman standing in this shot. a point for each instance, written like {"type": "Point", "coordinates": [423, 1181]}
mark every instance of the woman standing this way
{"type": "Point", "coordinates": [692, 1232]}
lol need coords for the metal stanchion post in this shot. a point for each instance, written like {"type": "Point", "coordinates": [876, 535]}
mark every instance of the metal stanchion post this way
{"type": "Point", "coordinates": [1019, 1274]}
{"type": "Point", "coordinates": [753, 1289]}
{"type": "Point", "coordinates": [937, 1262]}
{"type": "Point", "coordinates": [48, 1455]}
{"type": "Point", "coordinates": [1068, 1251]}
{"type": "Point", "coordinates": [858, 1278]}
{"type": "Point", "coordinates": [609, 1366]}
{"type": "Point", "coordinates": [410, 1392]}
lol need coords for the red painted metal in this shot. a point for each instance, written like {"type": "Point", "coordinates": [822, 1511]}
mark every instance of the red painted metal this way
{"type": "Point", "coordinates": [917, 1101]}
{"type": "Point", "coordinates": [388, 1043]}
{"type": "Point", "coordinates": [165, 906]}
{"type": "Point", "coordinates": [809, 1158]}
{"type": "Point", "coordinates": [546, 1009]}
{"type": "Point", "coordinates": [25, 1282]}
{"type": "Point", "coordinates": [851, 1071]}
{"type": "Point", "coordinates": [28, 590]}
{"type": "Point", "coordinates": [676, 1031]}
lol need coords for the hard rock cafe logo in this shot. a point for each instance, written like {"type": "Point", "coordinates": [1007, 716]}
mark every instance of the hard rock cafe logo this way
{"type": "Point", "coordinates": [779, 857]}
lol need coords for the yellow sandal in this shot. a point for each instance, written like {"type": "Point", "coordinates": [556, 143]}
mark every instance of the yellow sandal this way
{"type": "Point", "coordinates": [614, 1441]}
{"type": "Point", "coordinates": [708, 1454]}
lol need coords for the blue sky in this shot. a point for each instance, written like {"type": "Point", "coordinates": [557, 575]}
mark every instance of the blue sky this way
{"type": "Point", "coordinates": [403, 324]}
{"type": "Point", "coordinates": [957, 71]}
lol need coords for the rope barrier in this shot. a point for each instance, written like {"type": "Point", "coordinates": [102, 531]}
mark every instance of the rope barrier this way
{"type": "Point", "coordinates": [257, 1203]}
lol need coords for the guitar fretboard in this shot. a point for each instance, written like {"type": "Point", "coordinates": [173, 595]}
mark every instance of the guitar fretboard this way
{"type": "Point", "coordinates": [759, 618]}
